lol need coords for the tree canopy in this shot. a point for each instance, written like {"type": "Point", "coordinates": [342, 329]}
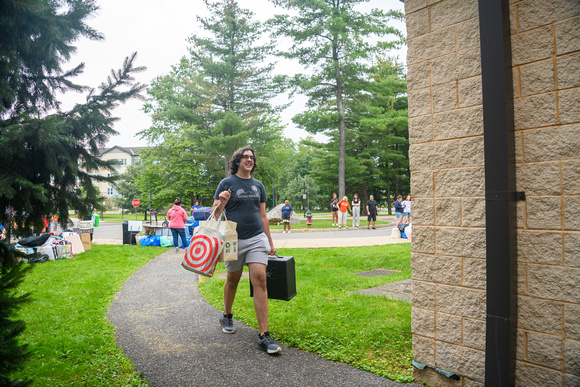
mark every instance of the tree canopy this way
{"type": "Point", "coordinates": [337, 43]}
{"type": "Point", "coordinates": [214, 101]}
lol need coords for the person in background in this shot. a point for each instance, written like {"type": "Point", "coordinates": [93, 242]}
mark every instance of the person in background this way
{"type": "Point", "coordinates": [407, 210]}
{"type": "Point", "coordinates": [399, 209]}
{"type": "Point", "coordinates": [2, 232]}
{"type": "Point", "coordinates": [55, 222]}
{"type": "Point", "coordinates": [89, 212]}
{"type": "Point", "coordinates": [334, 209]}
{"type": "Point", "coordinates": [195, 207]}
{"type": "Point", "coordinates": [244, 200]}
{"type": "Point", "coordinates": [371, 212]}
{"type": "Point", "coordinates": [287, 211]}
{"type": "Point", "coordinates": [343, 207]}
{"type": "Point", "coordinates": [177, 218]}
{"type": "Point", "coordinates": [355, 211]}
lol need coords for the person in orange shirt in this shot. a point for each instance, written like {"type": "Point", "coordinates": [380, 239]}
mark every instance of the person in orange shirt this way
{"type": "Point", "coordinates": [343, 206]}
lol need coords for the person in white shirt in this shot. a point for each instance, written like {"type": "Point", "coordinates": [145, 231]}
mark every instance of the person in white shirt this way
{"type": "Point", "coordinates": [407, 210]}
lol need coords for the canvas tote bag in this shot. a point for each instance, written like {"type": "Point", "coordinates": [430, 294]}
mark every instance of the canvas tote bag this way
{"type": "Point", "coordinates": [166, 240]}
{"type": "Point", "coordinates": [228, 229]}
{"type": "Point", "coordinates": [204, 248]}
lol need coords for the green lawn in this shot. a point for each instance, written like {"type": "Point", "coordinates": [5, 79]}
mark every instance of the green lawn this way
{"type": "Point", "coordinates": [127, 216]}
{"type": "Point", "coordinates": [323, 223]}
{"type": "Point", "coordinates": [72, 342]}
{"type": "Point", "coordinates": [369, 332]}
{"type": "Point", "coordinates": [319, 220]}
{"type": "Point", "coordinates": [67, 330]}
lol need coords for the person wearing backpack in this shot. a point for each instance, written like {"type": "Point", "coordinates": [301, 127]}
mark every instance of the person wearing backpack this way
{"type": "Point", "coordinates": [177, 218]}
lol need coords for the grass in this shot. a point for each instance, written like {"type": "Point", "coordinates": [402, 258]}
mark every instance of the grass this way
{"type": "Point", "coordinates": [72, 342]}
{"type": "Point", "coordinates": [323, 223]}
{"type": "Point", "coordinates": [321, 219]}
{"type": "Point", "coordinates": [67, 330]}
{"type": "Point", "coordinates": [372, 333]}
{"type": "Point", "coordinates": [113, 217]}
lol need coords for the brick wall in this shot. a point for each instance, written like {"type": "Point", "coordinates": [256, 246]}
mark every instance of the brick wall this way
{"type": "Point", "coordinates": [447, 183]}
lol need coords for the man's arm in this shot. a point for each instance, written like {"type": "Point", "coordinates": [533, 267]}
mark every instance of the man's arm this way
{"type": "Point", "coordinates": [220, 204]}
{"type": "Point", "coordinates": [266, 227]}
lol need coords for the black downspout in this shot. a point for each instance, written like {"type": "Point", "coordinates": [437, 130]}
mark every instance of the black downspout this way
{"type": "Point", "coordinates": [498, 134]}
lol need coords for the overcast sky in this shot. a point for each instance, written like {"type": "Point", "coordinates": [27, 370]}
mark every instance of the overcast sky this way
{"type": "Point", "coordinates": [158, 32]}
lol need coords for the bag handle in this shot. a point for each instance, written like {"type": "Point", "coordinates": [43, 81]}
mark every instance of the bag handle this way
{"type": "Point", "coordinates": [213, 218]}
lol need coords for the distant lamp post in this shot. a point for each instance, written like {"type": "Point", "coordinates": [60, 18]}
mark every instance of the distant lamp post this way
{"type": "Point", "coordinates": [304, 196]}
{"type": "Point", "coordinates": [149, 203]}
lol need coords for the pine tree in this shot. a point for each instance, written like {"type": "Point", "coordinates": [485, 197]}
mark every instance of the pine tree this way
{"type": "Point", "coordinates": [47, 156]}
{"type": "Point", "coordinates": [216, 100]}
{"type": "Point", "coordinates": [48, 163]}
{"type": "Point", "coordinates": [334, 41]}
{"type": "Point", "coordinates": [12, 353]}
{"type": "Point", "coordinates": [380, 119]}
{"type": "Point", "coordinates": [36, 42]}
{"type": "Point", "coordinates": [377, 145]}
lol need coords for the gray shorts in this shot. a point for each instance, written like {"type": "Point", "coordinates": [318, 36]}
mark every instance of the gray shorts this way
{"type": "Point", "coordinates": [251, 250]}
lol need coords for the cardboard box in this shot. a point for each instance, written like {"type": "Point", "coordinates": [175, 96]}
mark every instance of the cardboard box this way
{"type": "Point", "coordinates": [86, 239]}
{"type": "Point", "coordinates": [77, 244]}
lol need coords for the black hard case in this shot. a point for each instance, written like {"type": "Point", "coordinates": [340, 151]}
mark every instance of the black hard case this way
{"type": "Point", "coordinates": [281, 278]}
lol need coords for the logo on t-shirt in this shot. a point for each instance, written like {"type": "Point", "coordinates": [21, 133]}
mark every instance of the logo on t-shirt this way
{"type": "Point", "coordinates": [241, 194]}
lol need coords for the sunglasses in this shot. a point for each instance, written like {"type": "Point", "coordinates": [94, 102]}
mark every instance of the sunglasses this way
{"type": "Point", "coordinates": [248, 157]}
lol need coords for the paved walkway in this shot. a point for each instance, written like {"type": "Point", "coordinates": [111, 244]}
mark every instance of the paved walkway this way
{"type": "Point", "coordinates": [313, 238]}
{"type": "Point", "coordinates": [173, 338]}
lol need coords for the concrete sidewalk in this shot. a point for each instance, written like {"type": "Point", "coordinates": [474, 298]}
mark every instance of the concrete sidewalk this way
{"type": "Point", "coordinates": [315, 238]}
{"type": "Point", "coordinates": [303, 243]}
{"type": "Point", "coordinates": [173, 338]}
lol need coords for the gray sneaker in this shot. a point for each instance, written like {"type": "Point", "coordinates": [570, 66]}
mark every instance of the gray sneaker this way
{"type": "Point", "coordinates": [267, 344]}
{"type": "Point", "coordinates": [227, 323]}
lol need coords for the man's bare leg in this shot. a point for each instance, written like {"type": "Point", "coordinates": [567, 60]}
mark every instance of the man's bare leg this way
{"type": "Point", "coordinates": [258, 278]}
{"type": "Point", "coordinates": [230, 289]}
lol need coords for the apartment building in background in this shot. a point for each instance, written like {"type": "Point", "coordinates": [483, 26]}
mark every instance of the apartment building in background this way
{"type": "Point", "coordinates": [125, 156]}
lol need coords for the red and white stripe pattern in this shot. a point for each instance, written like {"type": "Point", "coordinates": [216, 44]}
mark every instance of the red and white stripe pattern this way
{"type": "Point", "coordinates": [202, 254]}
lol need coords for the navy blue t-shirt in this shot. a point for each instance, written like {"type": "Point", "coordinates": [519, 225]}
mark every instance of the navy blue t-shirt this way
{"type": "Point", "coordinates": [398, 206]}
{"type": "Point", "coordinates": [244, 204]}
{"type": "Point", "coordinates": [286, 211]}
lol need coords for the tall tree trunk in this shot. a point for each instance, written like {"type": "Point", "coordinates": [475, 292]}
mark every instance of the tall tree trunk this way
{"type": "Point", "coordinates": [341, 129]}
{"type": "Point", "coordinates": [389, 197]}
{"type": "Point", "coordinates": [364, 198]}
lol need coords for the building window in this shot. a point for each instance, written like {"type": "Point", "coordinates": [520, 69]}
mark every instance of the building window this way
{"type": "Point", "coordinates": [110, 191]}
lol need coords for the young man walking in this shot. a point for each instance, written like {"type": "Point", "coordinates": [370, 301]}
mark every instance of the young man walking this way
{"type": "Point", "coordinates": [244, 200]}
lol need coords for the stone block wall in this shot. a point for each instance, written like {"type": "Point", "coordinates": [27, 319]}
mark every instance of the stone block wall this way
{"type": "Point", "coordinates": [448, 188]}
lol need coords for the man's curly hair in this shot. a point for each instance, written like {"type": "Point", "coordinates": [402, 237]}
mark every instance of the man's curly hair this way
{"type": "Point", "coordinates": [237, 158]}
